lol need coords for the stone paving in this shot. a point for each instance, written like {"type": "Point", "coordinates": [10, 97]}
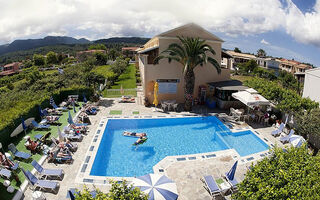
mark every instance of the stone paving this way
{"type": "Point", "coordinates": [186, 174]}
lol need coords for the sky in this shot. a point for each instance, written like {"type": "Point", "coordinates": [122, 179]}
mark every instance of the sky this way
{"type": "Point", "coordinates": [283, 28]}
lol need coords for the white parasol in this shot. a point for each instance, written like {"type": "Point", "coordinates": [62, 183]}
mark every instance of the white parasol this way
{"type": "Point", "coordinates": [19, 129]}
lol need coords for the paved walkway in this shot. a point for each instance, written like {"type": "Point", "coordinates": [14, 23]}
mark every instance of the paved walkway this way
{"type": "Point", "coordinates": [186, 174]}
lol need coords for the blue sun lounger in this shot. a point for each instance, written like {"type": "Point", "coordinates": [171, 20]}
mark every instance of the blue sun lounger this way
{"type": "Point", "coordinates": [58, 108]}
{"type": "Point", "coordinates": [42, 184]}
{"type": "Point", "coordinates": [17, 153]}
{"type": "Point", "coordinates": [5, 173]}
{"type": "Point", "coordinates": [39, 126]}
{"type": "Point", "coordinates": [47, 173]}
{"type": "Point", "coordinates": [211, 186]}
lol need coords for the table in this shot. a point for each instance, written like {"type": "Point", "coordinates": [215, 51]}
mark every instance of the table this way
{"type": "Point", "coordinates": [225, 187]}
{"type": "Point", "coordinates": [38, 195]}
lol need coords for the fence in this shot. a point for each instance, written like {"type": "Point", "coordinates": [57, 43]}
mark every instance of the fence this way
{"type": "Point", "coordinates": [112, 93]}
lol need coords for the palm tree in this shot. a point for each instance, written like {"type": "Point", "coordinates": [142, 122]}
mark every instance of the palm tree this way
{"type": "Point", "coordinates": [191, 53]}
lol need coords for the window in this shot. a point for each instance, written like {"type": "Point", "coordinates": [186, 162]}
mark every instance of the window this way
{"type": "Point", "coordinates": [152, 55]}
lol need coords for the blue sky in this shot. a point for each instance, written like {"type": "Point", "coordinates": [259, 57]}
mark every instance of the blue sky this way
{"type": "Point", "coordinates": [283, 28]}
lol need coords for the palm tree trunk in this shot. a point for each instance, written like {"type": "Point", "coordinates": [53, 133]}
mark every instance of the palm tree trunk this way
{"type": "Point", "coordinates": [189, 79]}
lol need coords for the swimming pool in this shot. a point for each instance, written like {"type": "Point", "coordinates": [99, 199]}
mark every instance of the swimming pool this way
{"type": "Point", "coordinates": [117, 157]}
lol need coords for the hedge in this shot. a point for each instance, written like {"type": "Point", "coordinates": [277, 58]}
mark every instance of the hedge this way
{"type": "Point", "coordinates": [32, 110]}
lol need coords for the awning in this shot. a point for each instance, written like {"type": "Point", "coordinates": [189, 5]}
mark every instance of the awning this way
{"type": "Point", "coordinates": [231, 85]}
{"type": "Point", "coordinates": [148, 49]}
{"type": "Point", "coordinates": [250, 97]}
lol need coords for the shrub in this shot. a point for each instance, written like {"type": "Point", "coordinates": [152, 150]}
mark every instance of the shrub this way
{"type": "Point", "coordinates": [294, 174]}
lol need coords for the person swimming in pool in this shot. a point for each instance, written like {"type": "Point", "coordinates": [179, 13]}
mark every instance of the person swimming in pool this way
{"type": "Point", "coordinates": [141, 140]}
{"type": "Point", "coordinates": [134, 134]}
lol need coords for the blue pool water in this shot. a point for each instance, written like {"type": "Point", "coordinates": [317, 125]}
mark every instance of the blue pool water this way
{"type": "Point", "coordinates": [166, 137]}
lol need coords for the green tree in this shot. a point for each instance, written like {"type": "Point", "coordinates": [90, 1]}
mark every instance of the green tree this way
{"type": "Point", "coordinates": [294, 174]}
{"type": "Point", "coordinates": [261, 53]}
{"type": "Point", "coordinates": [97, 47]}
{"type": "Point", "coordinates": [39, 60]}
{"type": "Point", "coordinates": [248, 67]}
{"type": "Point", "coordinates": [101, 58]}
{"type": "Point", "coordinates": [119, 66]}
{"type": "Point", "coordinates": [51, 58]}
{"type": "Point", "coordinates": [113, 54]}
{"type": "Point", "coordinates": [236, 49]}
{"type": "Point", "coordinates": [118, 191]}
{"type": "Point", "coordinates": [307, 125]}
{"type": "Point", "coordinates": [191, 53]}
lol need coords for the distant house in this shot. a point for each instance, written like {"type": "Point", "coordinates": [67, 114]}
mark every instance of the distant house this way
{"type": "Point", "coordinates": [296, 68]}
{"type": "Point", "coordinates": [268, 63]}
{"type": "Point", "coordinates": [11, 68]}
{"type": "Point", "coordinates": [239, 58]}
{"type": "Point", "coordinates": [82, 55]}
{"type": "Point", "coordinates": [169, 75]}
{"type": "Point", "coordinates": [311, 84]}
{"type": "Point", "coordinates": [129, 51]}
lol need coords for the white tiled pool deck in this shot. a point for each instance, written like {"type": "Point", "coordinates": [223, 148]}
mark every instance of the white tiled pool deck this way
{"type": "Point", "coordinates": [186, 171]}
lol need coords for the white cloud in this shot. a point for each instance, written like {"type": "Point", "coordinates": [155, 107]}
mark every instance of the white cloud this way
{"type": "Point", "coordinates": [304, 27]}
{"type": "Point", "coordinates": [264, 42]}
{"type": "Point", "coordinates": [100, 19]}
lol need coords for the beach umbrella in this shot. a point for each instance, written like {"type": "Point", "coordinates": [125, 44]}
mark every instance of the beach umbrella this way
{"type": "Point", "coordinates": [232, 171]}
{"type": "Point", "coordinates": [155, 94]}
{"type": "Point", "coordinates": [84, 99]}
{"type": "Point", "coordinates": [61, 138]}
{"type": "Point", "coordinates": [296, 140]}
{"type": "Point", "coordinates": [74, 107]}
{"type": "Point", "coordinates": [70, 121]}
{"type": "Point", "coordinates": [52, 101]}
{"type": "Point", "coordinates": [41, 112]}
{"type": "Point", "coordinates": [20, 128]}
{"type": "Point", "coordinates": [157, 186]}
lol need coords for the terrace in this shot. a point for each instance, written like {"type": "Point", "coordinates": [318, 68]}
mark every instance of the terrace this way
{"type": "Point", "coordinates": [186, 171]}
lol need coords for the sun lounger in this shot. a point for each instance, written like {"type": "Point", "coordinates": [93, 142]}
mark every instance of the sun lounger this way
{"type": "Point", "coordinates": [17, 153]}
{"type": "Point", "coordinates": [230, 177]}
{"type": "Point", "coordinates": [47, 173]}
{"type": "Point", "coordinates": [39, 126]}
{"type": "Point", "coordinates": [59, 108]}
{"type": "Point", "coordinates": [286, 138]}
{"type": "Point", "coordinates": [55, 159]}
{"type": "Point", "coordinates": [211, 186]}
{"type": "Point", "coordinates": [5, 173]}
{"type": "Point", "coordinates": [278, 131]}
{"type": "Point", "coordinates": [42, 184]}
{"type": "Point", "coordinates": [71, 147]}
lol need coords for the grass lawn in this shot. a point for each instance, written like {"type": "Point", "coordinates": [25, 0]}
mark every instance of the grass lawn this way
{"type": "Point", "coordinates": [115, 112]}
{"type": "Point", "coordinates": [241, 78]}
{"type": "Point", "coordinates": [26, 164]}
{"type": "Point", "coordinates": [127, 80]}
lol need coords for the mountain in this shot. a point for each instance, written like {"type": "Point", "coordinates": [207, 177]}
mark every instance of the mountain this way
{"type": "Point", "coordinates": [19, 45]}
{"type": "Point", "coordinates": [126, 40]}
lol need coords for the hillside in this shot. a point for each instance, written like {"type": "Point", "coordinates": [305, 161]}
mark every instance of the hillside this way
{"type": "Point", "coordinates": [19, 45]}
{"type": "Point", "coordinates": [123, 40]}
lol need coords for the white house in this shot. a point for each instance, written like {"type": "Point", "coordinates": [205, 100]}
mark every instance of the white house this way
{"type": "Point", "coordinates": [311, 84]}
{"type": "Point", "coordinates": [268, 63]}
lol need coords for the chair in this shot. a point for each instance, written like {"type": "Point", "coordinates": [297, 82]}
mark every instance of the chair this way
{"type": "Point", "coordinates": [286, 138]}
{"type": "Point", "coordinates": [278, 131]}
{"type": "Point", "coordinates": [42, 184]}
{"type": "Point", "coordinates": [39, 126]}
{"type": "Point", "coordinates": [5, 173]}
{"type": "Point", "coordinates": [17, 153]}
{"type": "Point", "coordinates": [47, 173]}
{"type": "Point", "coordinates": [211, 186]}
{"type": "Point", "coordinates": [59, 108]}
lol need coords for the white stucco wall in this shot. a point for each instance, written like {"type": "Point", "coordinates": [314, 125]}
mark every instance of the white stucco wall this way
{"type": "Point", "coordinates": [311, 87]}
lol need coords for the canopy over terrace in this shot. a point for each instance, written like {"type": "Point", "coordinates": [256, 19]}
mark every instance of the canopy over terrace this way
{"type": "Point", "coordinates": [251, 98]}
